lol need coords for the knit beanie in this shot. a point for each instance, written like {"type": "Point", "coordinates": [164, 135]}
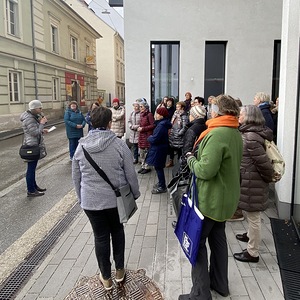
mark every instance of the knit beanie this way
{"type": "Point", "coordinates": [198, 112]}
{"type": "Point", "coordinates": [162, 111]}
{"type": "Point", "coordinates": [116, 100]}
{"type": "Point", "coordinates": [35, 104]}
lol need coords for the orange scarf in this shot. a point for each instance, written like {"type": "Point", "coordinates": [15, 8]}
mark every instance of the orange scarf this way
{"type": "Point", "coordinates": [222, 121]}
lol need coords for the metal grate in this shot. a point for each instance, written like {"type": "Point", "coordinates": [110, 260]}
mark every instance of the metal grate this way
{"type": "Point", "coordinates": [136, 286]}
{"type": "Point", "coordinates": [24, 270]}
{"type": "Point", "coordinates": [288, 253]}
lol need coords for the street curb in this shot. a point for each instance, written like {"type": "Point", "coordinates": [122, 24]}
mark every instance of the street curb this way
{"type": "Point", "coordinates": [10, 134]}
{"type": "Point", "coordinates": [13, 256]}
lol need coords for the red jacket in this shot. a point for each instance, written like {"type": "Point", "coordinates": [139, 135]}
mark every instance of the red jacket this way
{"type": "Point", "coordinates": [147, 124]}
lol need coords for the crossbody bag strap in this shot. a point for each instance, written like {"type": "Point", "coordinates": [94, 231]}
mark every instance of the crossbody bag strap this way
{"type": "Point", "coordinates": [99, 171]}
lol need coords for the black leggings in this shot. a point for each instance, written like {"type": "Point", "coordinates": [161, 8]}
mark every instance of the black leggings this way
{"type": "Point", "coordinates": [106, 224]}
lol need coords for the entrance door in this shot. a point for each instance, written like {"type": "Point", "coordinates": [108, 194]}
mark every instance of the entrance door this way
{"type": "Point", "coordinates": [75, 91]}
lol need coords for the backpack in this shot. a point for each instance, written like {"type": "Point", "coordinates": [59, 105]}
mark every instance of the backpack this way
{"type": "Point", "coordinates": [276, 159]}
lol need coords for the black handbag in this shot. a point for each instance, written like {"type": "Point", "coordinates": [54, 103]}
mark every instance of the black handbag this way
{"type": "Point", "coordinates": [178, 186]}
{"type": "Point", "coordinates": [30, 152]}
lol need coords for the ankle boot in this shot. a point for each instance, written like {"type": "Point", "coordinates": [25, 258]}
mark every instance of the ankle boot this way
{"type": "Point", "coordinates": [170, 163]}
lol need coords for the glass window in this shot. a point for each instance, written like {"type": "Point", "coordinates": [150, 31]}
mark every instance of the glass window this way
{"type": "Point", "coordinates": [14, 86]}
{"type": "Point", "coordinates": [164, 71]}
{"type": "Point", "coordinates": [54, 39]}
{"type": "Point", "coordinates": [215, 54]}
{"type": "Point", "coordinates": [74, 48]}
{"type": "Point", "coordinates": [276, 70]}
{"type": "Point", "coordinates": [12, 17]}
{"type": "Point", "coordinates": [55, 88]}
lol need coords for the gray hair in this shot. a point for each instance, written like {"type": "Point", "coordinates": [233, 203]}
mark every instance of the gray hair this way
{"type": "Point", "coordinates": [253, 115]}
{"type": "Point", "coordinates": [262, 97]}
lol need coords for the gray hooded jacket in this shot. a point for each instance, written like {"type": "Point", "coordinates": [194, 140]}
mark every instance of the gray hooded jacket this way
{"type": "Point", "coordinates": [115, 159]}
{"type": "Point", "coordinates": [33, 130]}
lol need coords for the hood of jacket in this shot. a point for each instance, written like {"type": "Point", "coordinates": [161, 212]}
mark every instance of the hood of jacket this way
{"type": "Point", "coordinates": [263, 131]}
{"type": "Point", "coordinates": [27, 114]}
{"type": "Point", "coordinates": [97, 140]}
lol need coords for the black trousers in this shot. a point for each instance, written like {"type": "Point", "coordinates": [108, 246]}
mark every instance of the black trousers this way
{"type": "Point", "coordinates": [106, 225]}
{"type": "Point", "coordinates": [217, 273]}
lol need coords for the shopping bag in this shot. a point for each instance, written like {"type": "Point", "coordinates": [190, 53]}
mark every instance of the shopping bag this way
{"type": "Point", "coordinates": [189, 224]}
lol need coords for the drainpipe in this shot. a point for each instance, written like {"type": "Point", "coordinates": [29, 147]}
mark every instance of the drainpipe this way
{"type": "Point", "coordinates": [34, 52]}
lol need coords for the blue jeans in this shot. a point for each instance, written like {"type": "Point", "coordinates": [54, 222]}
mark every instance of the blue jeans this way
{"type": "Point", "coordinates": [135, 151]}
{"type": "Point", "coordinates": [161, 177]}
{"type": "Point", "coordinates": [106, 224]}
{"type": "Point", "coordinates": [73, 143]}
{"type": "Point", "coordinates": [30, 176]}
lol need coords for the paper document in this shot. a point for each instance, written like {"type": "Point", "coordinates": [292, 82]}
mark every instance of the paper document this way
{"type": "Point", "coordinates": [51, 129]}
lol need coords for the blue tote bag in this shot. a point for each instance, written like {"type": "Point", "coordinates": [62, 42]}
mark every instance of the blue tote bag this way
{"type": "Point", "coordinates": [189, 224]}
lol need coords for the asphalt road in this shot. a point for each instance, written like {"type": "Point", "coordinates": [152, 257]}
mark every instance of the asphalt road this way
{"type": "Point", "coordinates": [18, 212]}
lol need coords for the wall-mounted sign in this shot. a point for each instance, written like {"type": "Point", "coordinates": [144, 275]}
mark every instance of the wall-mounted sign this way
{"type": "Point", "coordinates": [90, 60]}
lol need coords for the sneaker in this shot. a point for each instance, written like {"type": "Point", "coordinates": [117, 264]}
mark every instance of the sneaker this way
{"type": "Point", "coordinates": [107, 283]}
{"type": "Point", "coordinates": [120, 275]}
{"type": "Point", "coordinates": [145, 171]}
{"type": "Point", "coordinates": [159, 190]}
{"type": "Point", "coordinates": [155, 186]}
{"type": "Point", "coordinates": [236, 217]}
{"type": "Point", "coordinates": [40, 189]}
{"type": "Point", "coordinates": [140, 170]}
{"type": "Point", "coordinates": [170, 164]}
{"type": "Point", "coordinates": [35, 194]}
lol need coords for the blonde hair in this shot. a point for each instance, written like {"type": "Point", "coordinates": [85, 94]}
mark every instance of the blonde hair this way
{"type": "Point", "coordinates": [262, 97]}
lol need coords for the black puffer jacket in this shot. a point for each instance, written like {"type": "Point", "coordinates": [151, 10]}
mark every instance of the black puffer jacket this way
{"type": "Point", "coordinates": [256, 168]}
{"type": "Point", "coordinates": [194, 129]}
{"type": "Point", "coordinates": [179, 122]}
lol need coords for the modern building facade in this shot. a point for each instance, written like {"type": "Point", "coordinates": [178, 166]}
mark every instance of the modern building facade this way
{"type": "Point", "coordinates": [213, 47]}
{"type": "Point", "coordinates": [109, 49]}
{"type": "Point", "coordinates": [47, 52]}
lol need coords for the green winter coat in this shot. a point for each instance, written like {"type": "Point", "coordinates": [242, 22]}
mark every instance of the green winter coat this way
{"type": "Point", "coordinates": [217, 170]}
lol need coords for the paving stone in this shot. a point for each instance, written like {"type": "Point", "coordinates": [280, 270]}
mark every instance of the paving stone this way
{"type": "Point", "coordinates": [61, 252]}
{"type": "Point", "coordinates": [57, 279]}
{"type": "Point", "coordinates": [43, 279]}
{"type": "Point", "coordinates": [78, 245]}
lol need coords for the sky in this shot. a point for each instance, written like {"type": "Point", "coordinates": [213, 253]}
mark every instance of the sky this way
{"type": "Point", "coordinates": [120, 10]}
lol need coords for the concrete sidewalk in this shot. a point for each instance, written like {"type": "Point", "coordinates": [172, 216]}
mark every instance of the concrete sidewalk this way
{"type": "Point", "coordinates": [152, 245]}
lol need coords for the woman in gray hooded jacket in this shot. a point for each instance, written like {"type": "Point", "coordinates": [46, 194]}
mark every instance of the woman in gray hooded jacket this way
{"type": "Point", "coordinates": [96, 196]}
{"type": "Point", "coordinates": [33, 123]}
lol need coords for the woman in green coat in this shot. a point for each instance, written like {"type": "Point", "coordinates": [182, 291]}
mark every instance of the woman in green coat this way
{"type": "Point", "coordinates": [217, 170]}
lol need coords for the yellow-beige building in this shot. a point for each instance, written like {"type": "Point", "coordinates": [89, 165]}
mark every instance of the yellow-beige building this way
{"type": "Point", "coordinates": [47, 52]}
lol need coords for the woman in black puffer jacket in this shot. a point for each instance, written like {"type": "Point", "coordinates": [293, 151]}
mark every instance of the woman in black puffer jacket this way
{"type": "Point", "coordinates": [194, 129]}
{"type": "Point", "coordinates": [256, 174]}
